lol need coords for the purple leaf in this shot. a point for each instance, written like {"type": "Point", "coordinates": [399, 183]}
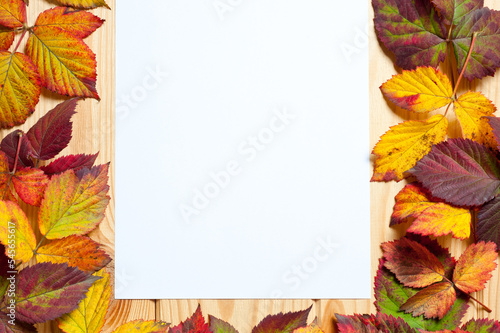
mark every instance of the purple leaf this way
{"type": "Point", "coordinates": [488, 222]}
{"type": "Point", "coordinates": [9, 147]}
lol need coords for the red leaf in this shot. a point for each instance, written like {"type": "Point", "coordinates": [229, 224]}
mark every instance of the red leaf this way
{"type": "Point", "coordinates": [495, 125]}
{"type": "Point", "coordinates": [52, 132]}
{"type": "Point", "coordinates": [283, 323]}
{"type": "Point", "coordinates": [47, 291]}
{"type": "Point", "coordinates": [9, 147]}
{"type": "Point", "coordinates": [19, 327]}
{"type": "Point", "coordinates": [433, 301]}
{"type": "Point", "coordinates": [79, 23]}
{"type": "Point", "coordinates": [30, 185]}
{"type": "Point", "coordinates": [461, 172]}
{"type": "Point", "coordinates": [12, 13]}
{"type": "Point", "coordinates": [413, 264]}
{"type": "Point", "coordinates": [195, 324]}
{"type": "Point", "coordinates": [488, 222]}
{"type": "Point", "coordinates": [381, 323]}
{"type": "Point", "coordinates": [73, 162]}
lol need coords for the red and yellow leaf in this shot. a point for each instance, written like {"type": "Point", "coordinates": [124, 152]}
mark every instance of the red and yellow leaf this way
{"type": "Point", "coordinates": [5, 176]}
{"type": "Point", "coordinates": [413, 264]}
{"type": "Point", "coordinates": [471, 109]}
{"type": "Point", "coordinates": [6, 38]}
{"type": "Point", "coordinates": [19, 88]}
{"type": "Point", "coordinates": [76, 251]}
{"type": "Point", "coordinates": [313, 328]}
{"type": "Point", "coordinates": [433, 301]}
{"type": "Point", "coordinates": [403, 145]}
{"type": "Point", "coordinates": [195, 324]}
{"type": "Point", "coordinates": [82, 4]}
{"type": "Point", "coordinates": [90, 315]}
{"type": "Point", "coordinates": [12, 13]}
{"type": "Point", "coordinates": [16, 232]}
{"type": "Point", "coordinates": [495, 127]}
{"type": "Point", "coordinates": [284, 323]}
{"type": "Point", "coordinates": [140, 326]}
{"type": "Point", "coordinates": [30, 185]}
{"type": "Point", "coordinates": [474, 267]}
{"type": "Point", "coordinates": [66, 64]}
{"type": "Point", "coordinates": [430, 217]}
{"type": "Point", "coordinates": [421, 90]}
{"type": "Point", "coordinates": [46, 291]}
{"type": "Point", "coordinates": [79, 23]}
{"type": "Point", "coordinates": [74, 203]}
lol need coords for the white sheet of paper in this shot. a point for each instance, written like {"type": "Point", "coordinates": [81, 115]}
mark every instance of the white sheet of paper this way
{"type": "Point", "coordinates": [242, 153]}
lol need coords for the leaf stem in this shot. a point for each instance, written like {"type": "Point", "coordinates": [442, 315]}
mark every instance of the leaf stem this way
{"type": "Point", "coordinates": [484, 306]}
{"type": "Point", "coordinates": [474, 35]}
{"type": "Point", "coordinates": [20, 40]}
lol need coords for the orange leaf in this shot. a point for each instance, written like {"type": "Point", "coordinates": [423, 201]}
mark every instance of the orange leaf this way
{"type": "Point", "coordinates": [6, 38]}
{"type": "Point", "coordinates": [12, 13]}
{"type": "Point", "coordinates": [5, 192]}
{"type": "Point", "coordinates": [74, 203]}
{"type": "Point", "coordinates": [83, 4]}
{"type": "Point", "coordinates": [23, 242]}
{"type": "Point", "coordinates": [429, 217]}
{"type": "Point", "coordinates": [139, 326]}
{"type": "Point", "coordinates": [471, 108]}
{"type": "Point", "coordinates": [76, 251]}
{"type": "Point", "coordinates": [421, 90]}
{"type": "Point", "coordinates": [30, 185]}
{"type": "Point", "coordinates": [474, 267]}
{"type": "Point", "coordinates": [433, 301]}
{"type": "Point", "coordinates": [79, 23]}
{"type": "Point", "coordinates": [19, 88]}
{"type": "Point", "coordinates": [66, 64]}
{"type": "Point", "coordinates": [403, 145]}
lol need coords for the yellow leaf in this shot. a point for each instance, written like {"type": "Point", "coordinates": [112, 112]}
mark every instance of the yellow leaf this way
{"type": "Point", "coordinates": [83, 4]}
{"type": "Point", "coordinates": [22, 240]}
{"type": "Point", "coordinates": [90, 315]}
{"type": "Point", "coordinates": [470, 109]}
{"type": "Point", "coordinates": [141, 326]}
{"type": "Point", "coordinates": [19, 88]}
{"type": "Point", "coordinates": [405, 144]}
{"type": "Point", "coordinates": [313, 328]}
{"type": "Point", "coordinates": [421, 90]}
{"type": "Point", "coordinates": [430, 218]}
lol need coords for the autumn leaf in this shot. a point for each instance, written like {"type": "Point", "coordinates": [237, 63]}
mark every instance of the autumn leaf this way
{"type": "Point", "coordinates": [46, 291]}
{"type": "Point", "coordinates": [82, 4]}
{"type": "Point", "coordinates": [471, 109]}
{"type": "Point", "coordinates": [412, 30]}
{"type": "Point", "coordinates": [66, 64]}
{"type": "Point", "coordinates": [195, 324]}
{"type": "Point", "coordinates": [403, 145]}
{"type": "Point", "coordinates": [74, 203]}
{"type": "Point", "coordinates": [69, 162]}
{"type": "Point", "coordinates": [19, 88]}
{"type": "Point", "coordinates": [141, 326]}
{"type": "Point", "coordinates": [52, 132]}
{"type": "Point", "coordinates": [413, 264]}
{"type": "Point", "coordinates": [421, 90]}
{"type": "Point", "coordinates": [488, 222]}
{"type": "Point", "coordinates": [9, 146]}
{"type": "Point", "coordinates": [474, 267]}
{"type": "Point", "coordinates": [90, 315]}
{"type": "Point", "coordinates": [430, 217]}
{"type": "Point", "coordinates": [482, 326]}
{"type": "Point", "coordinates": [12, 13]}
{"type": "Point", "coordinates": [380, 323]}
{"type": "Point", "coordinates": [460, 171]}
{"type": "Point", "coordinates": [485, 57]}
{"type": "Point", "coordinates": [220, 326]}
{"type": "Point", "coordinates": [7, 36]}
{"type": "Point", "coordinates": [433, 301]}
{"type": "Point", "coordinates": [79, 23]}
{"type": "Point", "coordinates": [495, 125]}
{"type": "Point", "coordinates": [5, 179]}
{"type": "Point", "coordinates": [19, 327]}
{"type": "Point", "coordinates": [283, 323]}
{"type": "Point", "coordinates": [452, 11]}
{"type": "Point", "coordinates": [13, 218]}
{"type": "Point", "coordinates": [76, 251]}
{"type": "Point", "coordinates": [313, 328]}
{"type": "Point", "coordinates": [30, 185]}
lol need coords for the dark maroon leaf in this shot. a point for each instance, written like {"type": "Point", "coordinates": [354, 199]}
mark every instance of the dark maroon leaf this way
{"type": "Point", "coordinates": [6, 326]}
{"type": "Point", "coordinates": [461, 172]}
{"type": "Point", "coordinates": [52, 132]}
{"type": "Point", "coordinates": [46, 291]}
{"type": "Point", "coordinates": [4, 262]}
{"type": "Point", "coordinates": [283, 323]}
{"type": "Point", "coordinates": [495, 125]}
{"type": "Point", "coordinates": [381, 323]}
{"type": "Point", "coordinates": [412, 30]}
{"type": "Point", "coordinates": [64, 163]}
{"type": "Point", "coordinates": [488, 222]}
{"type": "Point", "coordinates": [9, 147]}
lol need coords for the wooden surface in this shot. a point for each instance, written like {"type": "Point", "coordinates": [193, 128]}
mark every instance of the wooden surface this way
{"type": "Point", "coordinates": [93, 131]}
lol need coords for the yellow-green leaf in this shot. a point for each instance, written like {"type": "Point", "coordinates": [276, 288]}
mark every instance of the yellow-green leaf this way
{"type": "Point", "coordinates": [15, 231]}
{"type": "Point", "coordinates": [19, 88]}
{"type": "Point", "coordinates": [90, 315]}
{"type": "Point", "coordinates": [404, 144]}
{"type": "Point", "coordinates": [141, 326]}
{"type": "Point", "coordinates": [421, 90]}
{"type": "Point", "coordinates": [74, 203]}
{"type": "Point", "coordinates": [66, 64]}
{"type": "Point", "coordinates": [471, 108]}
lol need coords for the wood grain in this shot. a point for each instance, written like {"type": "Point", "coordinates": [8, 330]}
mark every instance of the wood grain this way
{"type": "Point", "coordinates": [94, 131]}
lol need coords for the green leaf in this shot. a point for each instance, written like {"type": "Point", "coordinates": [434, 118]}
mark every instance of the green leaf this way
{"type": "Point", "coordinates": [452, 11]}
{"type": "Point", "coordinates": [220, 326]}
